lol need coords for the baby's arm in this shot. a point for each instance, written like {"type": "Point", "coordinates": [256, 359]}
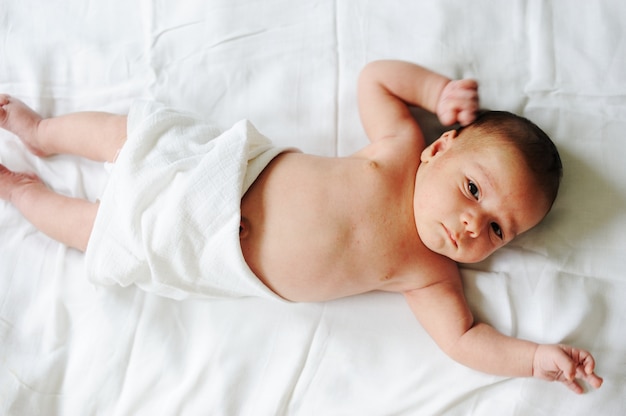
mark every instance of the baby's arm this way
{"type": "Point", "coordinates": [388, 88]}
{"type": "Point", "coordinates": [442, 310]}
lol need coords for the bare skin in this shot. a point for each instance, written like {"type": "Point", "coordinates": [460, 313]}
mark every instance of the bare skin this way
{"type": "Point", "coordinates": [68, 220]}
{"type": "Point", "coordinates": [395, 216]}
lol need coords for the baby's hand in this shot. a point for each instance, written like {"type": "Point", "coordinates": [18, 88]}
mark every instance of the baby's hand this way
{"type": "Point", "coordinates": [564, 363]}
{"type": "Point", "coordinates": [458, 102]}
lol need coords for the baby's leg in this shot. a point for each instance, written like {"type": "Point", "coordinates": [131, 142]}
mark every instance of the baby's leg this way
{"type": "Point", "coordinates": [97, 136]}
{"type": "Point", "coordinates": [94, 135]}
{"type": "Point", "coordinates": [68, 220]}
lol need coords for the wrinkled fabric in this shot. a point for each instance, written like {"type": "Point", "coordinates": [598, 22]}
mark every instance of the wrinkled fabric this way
{"type": "Point", "coordinates": [169, 218]}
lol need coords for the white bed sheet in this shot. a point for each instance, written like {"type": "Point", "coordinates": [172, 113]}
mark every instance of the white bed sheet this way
{"type": "Point", "coordinates": [68, 347]}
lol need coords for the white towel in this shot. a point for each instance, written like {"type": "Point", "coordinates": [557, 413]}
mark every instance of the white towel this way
{"type": "Point", "coordinates": [169, 216]}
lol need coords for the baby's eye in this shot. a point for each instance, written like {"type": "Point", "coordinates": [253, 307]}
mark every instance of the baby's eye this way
{"type": "Point", "coordinates": [496, 229]}
{"type": "Point", "coordinates": [473, 189]}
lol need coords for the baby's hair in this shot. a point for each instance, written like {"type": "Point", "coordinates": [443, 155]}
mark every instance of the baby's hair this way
{"type": "Point", "coordinates": [539, 152]}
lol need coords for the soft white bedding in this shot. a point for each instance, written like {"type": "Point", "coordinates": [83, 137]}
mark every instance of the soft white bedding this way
{"type": "Point", "coordinates": [68, 347]}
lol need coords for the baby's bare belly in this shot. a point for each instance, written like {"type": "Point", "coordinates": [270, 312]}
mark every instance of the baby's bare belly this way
{"type": "Point", "coordinates": [302, 270]}
{"type": "Point", "coordinates": [298, 270]}
{"type": "Point", "coordinates": [309, 237]}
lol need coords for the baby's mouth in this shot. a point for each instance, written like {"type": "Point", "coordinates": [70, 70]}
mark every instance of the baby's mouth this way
{"type": "Point", "coordinates": [451, 236]}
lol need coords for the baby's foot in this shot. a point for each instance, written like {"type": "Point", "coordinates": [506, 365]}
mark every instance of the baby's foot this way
{"type": "Point", "coordinates": [21, 120]}
{"type": "Point", "coordinates": [12, 182]}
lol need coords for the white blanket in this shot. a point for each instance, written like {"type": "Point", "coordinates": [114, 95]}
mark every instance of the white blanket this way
{"type": "Point", "coordinates": [68, 347]}
{"type": "Point", "coordinates": [169, 218]}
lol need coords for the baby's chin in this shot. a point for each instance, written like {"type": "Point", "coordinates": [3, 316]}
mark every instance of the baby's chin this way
{"type": "Point", "coordinates": [472, 259]}
{"type": "Point", "coordinates": [461, 257]}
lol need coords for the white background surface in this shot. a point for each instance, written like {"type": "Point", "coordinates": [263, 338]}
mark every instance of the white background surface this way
{"type": "Point", "coordinates": [68, 347]}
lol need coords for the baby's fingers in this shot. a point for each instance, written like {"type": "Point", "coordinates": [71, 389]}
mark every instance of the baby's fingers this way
{"type": "Point", "coordinates": [458, 102]}
{"type": "Point", "coordinates": [565, 364]}
{"type": "Point", "coordinates": [448, 117]}
{"type": "Point", "coordinates": [567, 375]}
{"type": "Point", "coordinates": [586, 370]}
{"type": "Point", "coordinates": [590, 378]}
{"type": "Point", "coordinates": [465, 117]}
{"type": "Point", "coordinates": [467, 86]}
{"type": "Point", "coordinates": [574, 386]}
{"type": "Point", "coordinates": [594, 380]}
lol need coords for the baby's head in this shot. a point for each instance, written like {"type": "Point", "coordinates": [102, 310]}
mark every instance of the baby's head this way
{"type": "Point", "coordinates": [538, 151]}
{"type": "Point", "coordinates": [480, 186]}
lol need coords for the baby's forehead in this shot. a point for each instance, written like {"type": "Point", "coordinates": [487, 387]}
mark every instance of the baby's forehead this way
{"type": "Point", "coordinates": [488, 144]}
{"type": "Point", "coordinates": [498, 159]}
{"type": "Point", "coordinates": [482, 136]}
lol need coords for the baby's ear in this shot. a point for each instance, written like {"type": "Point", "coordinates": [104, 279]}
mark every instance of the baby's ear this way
{"type": "Point", "coordinates": [439, 146]}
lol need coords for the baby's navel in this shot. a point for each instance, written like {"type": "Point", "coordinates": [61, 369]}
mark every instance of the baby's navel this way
{"type": "Point", "coordinates": [244, 228]}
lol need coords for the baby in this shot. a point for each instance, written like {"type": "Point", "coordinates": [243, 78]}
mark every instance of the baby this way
{"type": "Point", "coordinates": [396, 216]}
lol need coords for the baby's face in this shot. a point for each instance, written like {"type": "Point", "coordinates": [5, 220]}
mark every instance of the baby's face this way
{"type": "Point", "coordinates": [472, 199]}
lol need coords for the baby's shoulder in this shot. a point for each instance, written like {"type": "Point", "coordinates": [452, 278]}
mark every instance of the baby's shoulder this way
{"type": "Point", "coordinates": [436, 268]}
{"type": "Point", "coordinates": [390, 152]}
{"type": "Point", "coordinates": [425, 269]}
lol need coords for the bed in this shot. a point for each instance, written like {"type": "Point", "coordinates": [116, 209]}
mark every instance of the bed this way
{"type": "Point", "coordinates": [69, 347]}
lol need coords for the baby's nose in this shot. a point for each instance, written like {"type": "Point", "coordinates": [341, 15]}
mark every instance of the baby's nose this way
{"type": "Point", "coordinates": [473, 223]}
